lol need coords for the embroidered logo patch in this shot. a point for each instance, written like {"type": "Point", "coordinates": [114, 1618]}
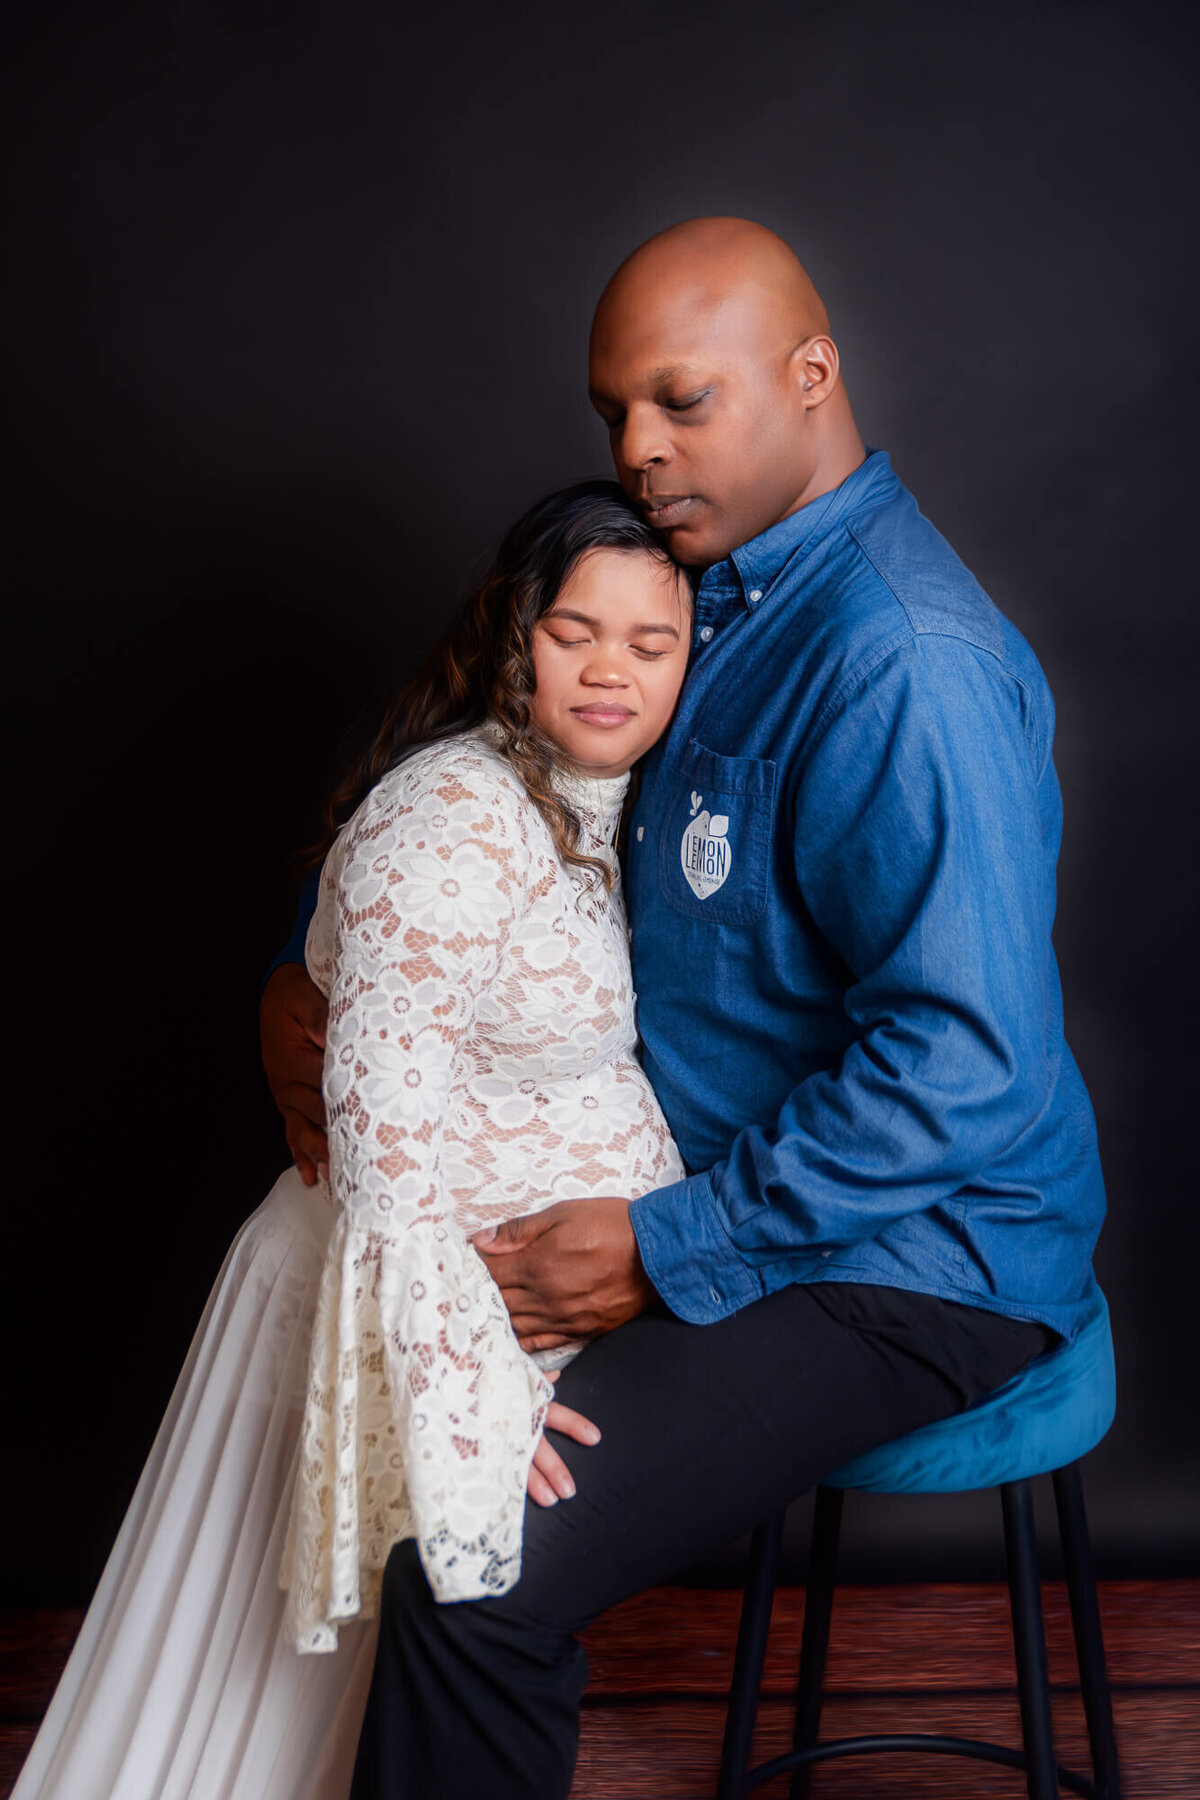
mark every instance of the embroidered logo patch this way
{"type": "Point", "coordinates": [705, 852]}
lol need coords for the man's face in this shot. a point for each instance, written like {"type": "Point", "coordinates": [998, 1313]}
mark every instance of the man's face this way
{"type": "Point", "coordinates": [706, 419]}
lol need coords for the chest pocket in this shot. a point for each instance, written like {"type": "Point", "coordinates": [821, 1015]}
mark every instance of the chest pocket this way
{"type": "Point", "coordinates": [715, 843]}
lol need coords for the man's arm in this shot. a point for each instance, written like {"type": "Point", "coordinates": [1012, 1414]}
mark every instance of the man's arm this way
{"type": "Point", "coordinates": [291, 1017]}
{"type": "Point", "coordinates": [919, 853]}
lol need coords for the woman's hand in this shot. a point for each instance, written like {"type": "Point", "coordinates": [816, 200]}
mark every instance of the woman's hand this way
{"type": "Point", "coordinates": [549, 1479]}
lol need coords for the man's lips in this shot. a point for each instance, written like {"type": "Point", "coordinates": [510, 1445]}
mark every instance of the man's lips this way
{"type": "Point", "coordinates": [665, 510]}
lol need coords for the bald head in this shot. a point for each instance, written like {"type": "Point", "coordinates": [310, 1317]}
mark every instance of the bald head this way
{"type": "Point", "coordinates": [714, 264]}
{"type": "Point", "coordinates": [711, 363]}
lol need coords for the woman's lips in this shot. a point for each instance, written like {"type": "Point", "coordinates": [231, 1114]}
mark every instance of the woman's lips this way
{"type": "Point", "coordinates": [606, 717]}
{"type": "Point", "coordinates": [665, 510]}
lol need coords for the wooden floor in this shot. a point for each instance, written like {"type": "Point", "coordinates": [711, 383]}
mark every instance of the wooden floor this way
{"type": "Point", "coordinates": [902, 1659]}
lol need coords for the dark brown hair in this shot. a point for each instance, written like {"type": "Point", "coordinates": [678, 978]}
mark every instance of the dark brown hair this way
{"type": "Point", "coordinates": [483, 666]}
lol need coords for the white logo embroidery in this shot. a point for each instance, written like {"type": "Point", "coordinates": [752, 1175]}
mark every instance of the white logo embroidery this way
{"type": "Point", "coordinates": [705, 852]}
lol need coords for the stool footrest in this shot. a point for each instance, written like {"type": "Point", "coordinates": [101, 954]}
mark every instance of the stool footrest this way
{"type": "Point", "coordinates": [922, 1742]}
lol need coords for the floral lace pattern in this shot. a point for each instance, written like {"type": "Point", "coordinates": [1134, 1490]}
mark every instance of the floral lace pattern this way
{"type": "Point", "coordinates": [480, 1064]}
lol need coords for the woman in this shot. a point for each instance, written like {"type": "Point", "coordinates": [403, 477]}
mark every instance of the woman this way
{"type": "Point", "coordinates": [355, 1378]}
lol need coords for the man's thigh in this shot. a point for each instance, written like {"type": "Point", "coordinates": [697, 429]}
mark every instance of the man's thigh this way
{"type": "Point", "coordinates": [708, 1429]}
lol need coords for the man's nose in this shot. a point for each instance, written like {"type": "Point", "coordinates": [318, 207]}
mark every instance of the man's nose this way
{"type": "Point", "coordinates": [642, 440]}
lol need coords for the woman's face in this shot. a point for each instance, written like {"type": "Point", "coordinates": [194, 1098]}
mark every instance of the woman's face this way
{"type": "Point", "coordinates": [609, 658]}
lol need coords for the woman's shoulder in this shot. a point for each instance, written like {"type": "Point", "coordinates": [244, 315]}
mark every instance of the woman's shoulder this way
{"type": "Point", "coordinates": [451, 823]}
{"type": "Point", "coordinates": [468, 760]}
{"type": "Point", "coordinates": [461, 773]}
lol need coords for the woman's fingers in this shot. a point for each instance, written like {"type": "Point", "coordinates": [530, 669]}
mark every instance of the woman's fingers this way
{"type": "Point", "coordinates": [539, 1489]}
{"type": "Point", "coordinates": [550, 1465]}
{"type": "Point", "coordinates": [549, 1479]}
{"type": "Point", "coordinates": [571, 1424]}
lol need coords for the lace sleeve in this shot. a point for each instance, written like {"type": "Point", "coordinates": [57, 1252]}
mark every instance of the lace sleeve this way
{"type": "Point", "coordinates": [422, 1411]}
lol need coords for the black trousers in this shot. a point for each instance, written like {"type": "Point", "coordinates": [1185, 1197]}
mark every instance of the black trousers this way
{"type": "Point", "coordinates": [706, 1430]}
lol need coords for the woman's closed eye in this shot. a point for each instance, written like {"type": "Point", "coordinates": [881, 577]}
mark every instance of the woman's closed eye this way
{"type": "Point", "coordinates": [641, 650]}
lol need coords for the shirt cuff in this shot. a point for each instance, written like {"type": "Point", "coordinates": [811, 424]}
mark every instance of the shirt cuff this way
{"type": "Point", "coordinates": [293, 950]}
{"type": "Point", "coordinates": [688, 1256]}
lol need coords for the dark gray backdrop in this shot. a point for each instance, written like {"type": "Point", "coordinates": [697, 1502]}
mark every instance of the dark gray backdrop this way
{"type": "Point", "coordinates": [298, 299]}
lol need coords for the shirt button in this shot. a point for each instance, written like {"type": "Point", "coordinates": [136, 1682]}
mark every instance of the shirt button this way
{"type": "Point", "coordinates": [714, 1295]}
{"type": "Point", "coordinates": [641, 832]}
{"type": "Point", "coordinates": [755, 596]}
{"type": "Point", "coordinates": [705, 634]}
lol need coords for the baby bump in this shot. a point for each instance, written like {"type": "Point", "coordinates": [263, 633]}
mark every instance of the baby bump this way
{"type": "Point", "coordinates": [539, 1143]}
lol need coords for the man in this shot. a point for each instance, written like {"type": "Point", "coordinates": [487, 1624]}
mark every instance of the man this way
{"type": "Point", "coordinates": [841, 886]}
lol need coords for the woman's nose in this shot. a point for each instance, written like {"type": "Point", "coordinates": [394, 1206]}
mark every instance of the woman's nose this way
{"type": "Point", "coordinates": [604, 669]}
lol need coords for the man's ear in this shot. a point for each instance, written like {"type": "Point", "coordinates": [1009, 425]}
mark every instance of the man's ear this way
{"type": "Point", "coordinates": [815, 367]}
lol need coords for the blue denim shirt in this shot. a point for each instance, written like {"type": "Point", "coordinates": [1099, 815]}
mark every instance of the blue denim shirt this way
{"type": "Point", "coordinates": [841, 879]}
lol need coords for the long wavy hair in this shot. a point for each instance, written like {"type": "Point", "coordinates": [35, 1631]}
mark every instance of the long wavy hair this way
{"type": "Point", "coordinates": [483, 666]}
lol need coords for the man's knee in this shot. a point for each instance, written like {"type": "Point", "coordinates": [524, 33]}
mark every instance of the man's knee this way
{"type": "Point", "coordinates": [534, 1611]}
{"type": "Point", "coordinates": [407, 1598]}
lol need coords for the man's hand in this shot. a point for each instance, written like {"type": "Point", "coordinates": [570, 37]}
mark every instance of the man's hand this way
{"type": "Point", "coordinates": [291, 1019]}
{"type": "Point", "coordinates": [570, 1272]}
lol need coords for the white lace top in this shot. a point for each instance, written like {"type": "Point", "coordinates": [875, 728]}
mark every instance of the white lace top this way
{"type": "Point", "coordinates": [480, 1064]}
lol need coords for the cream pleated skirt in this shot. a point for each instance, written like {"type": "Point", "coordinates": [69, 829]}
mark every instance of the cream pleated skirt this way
{"type": "Point", "coordinates": [180, 1686]}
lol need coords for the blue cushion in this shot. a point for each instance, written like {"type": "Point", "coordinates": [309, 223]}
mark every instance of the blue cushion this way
{"type": "Point", "coordinates": [1054, 1411]}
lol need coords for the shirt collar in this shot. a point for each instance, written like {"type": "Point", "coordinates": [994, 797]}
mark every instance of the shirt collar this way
{"type": "Point", "coordinates": [753, 567]}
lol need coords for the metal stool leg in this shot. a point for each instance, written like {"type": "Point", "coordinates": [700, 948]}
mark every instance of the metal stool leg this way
{"type": "Point", "coordinates": [749, 1657]}
{"type": "Point", "coordinates": [818, 1611]}
{"type": "Point", "coordinates": [1029, 1642]}
{"type": "Point", "coordinates": [1089, 1640]}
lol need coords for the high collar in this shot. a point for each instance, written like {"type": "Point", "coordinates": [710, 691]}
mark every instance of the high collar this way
{"type": "Point", "coordinates": [753, 567]}
{"type": "Point", "coordinates": [597, 799]}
